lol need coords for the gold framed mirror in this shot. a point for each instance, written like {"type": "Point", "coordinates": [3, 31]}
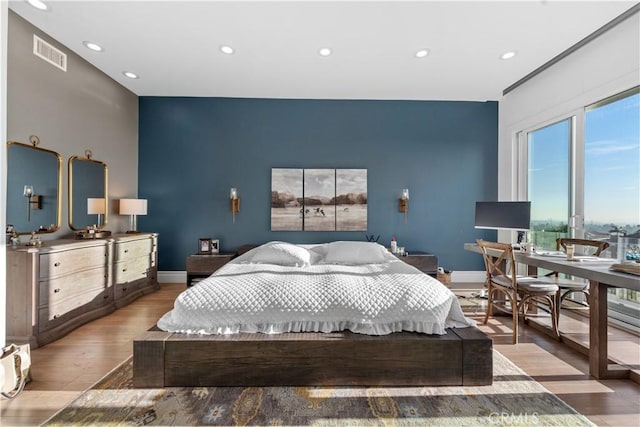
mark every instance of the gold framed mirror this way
{"type": "Point", "coordinates": [34, 187]}
{"type": "Point", "coordinates": [88, 195]}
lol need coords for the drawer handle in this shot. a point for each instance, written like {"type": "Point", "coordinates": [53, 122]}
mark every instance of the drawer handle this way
{"type": "Point", "coordinates": [126, 251]}
{"type": "Point", "coordinates": [55, 316]}
{"type": "Point", "coordinates": [124, 269]}
{"type": "Point", "coordinates": [57, 264]}
{"type": "Point", "coordinates": [105, 296]}
{"type": "Point", "coordinates": [55, 291]}
{"type": "Point", "coordinates": [124, 289]}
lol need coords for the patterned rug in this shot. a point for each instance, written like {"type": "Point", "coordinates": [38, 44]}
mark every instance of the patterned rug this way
{"type": "Point", "coordinates": [513, 399]}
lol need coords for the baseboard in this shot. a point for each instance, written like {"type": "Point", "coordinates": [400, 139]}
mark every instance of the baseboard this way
{"type": "Point", "coordinates": [468, 276]}
{"type": "Point", "coordinates": [456, 276]}
{"type": "Point", "coordinates": [172, 277]}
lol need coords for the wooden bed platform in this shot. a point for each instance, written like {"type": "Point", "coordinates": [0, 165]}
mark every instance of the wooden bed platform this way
{"type": "Point", "coordinates": [460, 357]}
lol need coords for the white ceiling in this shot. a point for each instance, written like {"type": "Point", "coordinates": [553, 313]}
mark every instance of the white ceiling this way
{"type": "Point", "coordinates": [174, 45]}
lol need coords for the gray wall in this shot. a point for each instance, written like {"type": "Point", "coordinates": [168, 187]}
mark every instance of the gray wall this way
{"type": "Point", "coordinates": [70, 112]}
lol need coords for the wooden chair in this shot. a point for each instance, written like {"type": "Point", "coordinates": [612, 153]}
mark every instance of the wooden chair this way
{"type": "Point", "coordinates": [519, 292]}
{"type": "Point", "coordinates": [569, 286]}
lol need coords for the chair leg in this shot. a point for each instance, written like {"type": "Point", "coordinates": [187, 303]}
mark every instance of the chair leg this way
{"type": "Point", "coordinates": [555, 314]}
{"type": "Point", "coordinates": [558, 297]}
{"type": "Point", "coordinates": [489, 311]}
{"type": "Point", "coordinates": [514, 314]}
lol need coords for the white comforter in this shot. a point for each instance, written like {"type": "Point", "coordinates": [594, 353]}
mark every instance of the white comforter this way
{"type": "Point", "coordinates": [373, 299]}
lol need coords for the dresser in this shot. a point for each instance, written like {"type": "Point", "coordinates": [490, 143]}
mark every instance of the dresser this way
{"type": "Point", "coordinates": [65, 283]}
{"type": "Point", "coordinates": [135, 271]}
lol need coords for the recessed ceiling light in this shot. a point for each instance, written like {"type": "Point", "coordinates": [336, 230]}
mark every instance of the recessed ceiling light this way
{"type": "Point", "coordinates": [92, 46]}
{"type": "Point", "coordinates": [422, 53]}
{"type": "Point", "coordinates": [325, 51]}
{"type": "Point", "coordinates": [226, 49]}
{"type": "Point", "coordinates": [38, 4]}
{"type": "Point", "coordinates": [507, 55]}
{"type": "Point", "coordinates": [130, 74]}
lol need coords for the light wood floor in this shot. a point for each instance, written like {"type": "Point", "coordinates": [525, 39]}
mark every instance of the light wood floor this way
{"type": "Point", "coordinates": [63, 369]}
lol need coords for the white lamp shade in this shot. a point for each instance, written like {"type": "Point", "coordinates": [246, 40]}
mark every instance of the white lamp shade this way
{"type": "Point", "coordinates": [96, 206]}
{"type": "Point", "coordinates": [133, 206]}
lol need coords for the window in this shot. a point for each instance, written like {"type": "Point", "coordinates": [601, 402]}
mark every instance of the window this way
{"type": "Point", "coordinates": [548, 182]}
{"type": "Point", "coordinates": [582, 176]}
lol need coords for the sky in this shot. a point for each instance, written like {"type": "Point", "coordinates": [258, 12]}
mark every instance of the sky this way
{"type": "Point", "coordinates": [612, 166]}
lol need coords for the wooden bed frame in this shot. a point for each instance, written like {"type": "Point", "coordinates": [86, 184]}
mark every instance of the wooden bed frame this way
{"type": "Point", "coordinates": [462, 356]}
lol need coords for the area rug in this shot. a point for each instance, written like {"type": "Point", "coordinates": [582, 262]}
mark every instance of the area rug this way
{"type": "Point", "coordinates": [513, 399]}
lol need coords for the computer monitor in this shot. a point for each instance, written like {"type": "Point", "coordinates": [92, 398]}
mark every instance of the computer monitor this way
{"type": "Point", "coordinates": [504, 216]}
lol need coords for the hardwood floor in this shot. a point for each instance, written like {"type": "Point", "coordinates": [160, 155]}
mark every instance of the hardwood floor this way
{"type": "Point", "coordinates": [63, 369]}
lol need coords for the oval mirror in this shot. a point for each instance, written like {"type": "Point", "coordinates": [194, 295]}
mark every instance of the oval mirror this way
{"type": "Point", "coordinates": [34, 187]}
{"type": "Point", "coordinates": [88, 202]}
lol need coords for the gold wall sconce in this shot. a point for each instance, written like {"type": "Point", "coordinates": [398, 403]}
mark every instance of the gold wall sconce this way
{"type": "Point", "coordinates": [133, 208]}
{"type": "Point", "coordinates": [403, 203]}
{"type": "Point", "coordinates": [32, 199]}
{"type": "Point", "coordinates": [235, 202]}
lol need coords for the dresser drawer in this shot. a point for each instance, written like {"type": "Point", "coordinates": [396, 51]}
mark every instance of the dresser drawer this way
{"type": "Point", "coordinates": [55, 290]}
{"type": "Point", "coordinates": [131, 270]}
{"type": "Point", "coordinates": [122, 290]}
{"type": "Point", "coordinates": [134, 249]}
{"type": "Point", "coordinates": [56, 264]}
{"type": "Point", "coordinates": [67, 309]}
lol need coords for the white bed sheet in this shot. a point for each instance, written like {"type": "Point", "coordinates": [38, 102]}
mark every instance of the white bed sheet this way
{"type": "Point", "coordinates": [373, 299]}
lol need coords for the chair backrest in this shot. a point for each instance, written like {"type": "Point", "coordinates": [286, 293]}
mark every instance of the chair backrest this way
{"type": "Point", "coordinates": [498, 260]}
{"type": "Point", "coordinates": [599, 245]}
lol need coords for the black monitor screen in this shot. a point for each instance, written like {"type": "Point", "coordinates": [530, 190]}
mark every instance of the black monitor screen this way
{"type": "Point", "coordinates": [507, 215]}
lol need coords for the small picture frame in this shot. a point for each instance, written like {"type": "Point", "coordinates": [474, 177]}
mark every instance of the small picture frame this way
{"type": "Point", "coordinates": [204, 246]}
{"type": "Point", "coordinates": [215, 246]}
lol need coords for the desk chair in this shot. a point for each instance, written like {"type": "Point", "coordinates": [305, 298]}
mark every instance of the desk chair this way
{"type": "Point", "coordinates": [519, 292]}
{"type": "Point", "coordinates": [569, 286]}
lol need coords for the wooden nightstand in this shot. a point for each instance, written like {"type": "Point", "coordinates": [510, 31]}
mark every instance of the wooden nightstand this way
{"type": "Point", "coordinates": [423, 261]}
{"type": "Point", "coordinates": [201, 266]}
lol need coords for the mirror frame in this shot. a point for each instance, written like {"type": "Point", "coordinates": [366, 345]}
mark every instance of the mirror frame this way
{"type": "Point", "coordinates": [88, 158]}
{"type": "Point", "coordinates": [35, 141]}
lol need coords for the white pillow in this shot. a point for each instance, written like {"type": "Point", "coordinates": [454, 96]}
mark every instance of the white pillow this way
{"type": "Point", "coordinates": [281, 253]}
{"type": "Point", "coordinates": [355, 253]}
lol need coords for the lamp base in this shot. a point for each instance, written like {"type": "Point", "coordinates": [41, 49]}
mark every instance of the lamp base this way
{"type": "Point", "coordinates": [133, 232]}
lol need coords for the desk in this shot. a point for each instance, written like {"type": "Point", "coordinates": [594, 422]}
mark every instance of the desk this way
{"type": "Point", "coordinates": [600, 278]}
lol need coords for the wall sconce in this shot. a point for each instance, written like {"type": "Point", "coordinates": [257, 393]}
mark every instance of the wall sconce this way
{"type": "Point", "coordinates": [235, 203]}
{"type": "Point", "coordinates": [133, 207]}
{"type": "Point", "coordinates": [32, 199]}
{"type": "Point", "coordinates": [403, 203]}
{"type": "Point", "coordinates": [96, 206]}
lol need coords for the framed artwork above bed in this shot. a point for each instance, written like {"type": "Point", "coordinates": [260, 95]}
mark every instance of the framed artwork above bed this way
{"type": "Point", "coordinates": [318, 199]}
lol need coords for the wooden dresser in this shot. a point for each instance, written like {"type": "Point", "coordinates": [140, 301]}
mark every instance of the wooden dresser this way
{"type": "Point", "coordinates": [63, 284]}
{"type": "Point", "coordinates": [135, 268]}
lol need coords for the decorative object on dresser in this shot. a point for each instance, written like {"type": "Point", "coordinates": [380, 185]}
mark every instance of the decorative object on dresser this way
{"type": "Point", "coordinates": [204, 265]}
{"type": "Point", "coordinates": [133, 208]}
{"type": "Point", "coordinates": [63, 284]}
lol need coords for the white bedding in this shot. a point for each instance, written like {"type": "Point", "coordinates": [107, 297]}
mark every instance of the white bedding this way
{"type": "Point", "coordinates": [369, 298]}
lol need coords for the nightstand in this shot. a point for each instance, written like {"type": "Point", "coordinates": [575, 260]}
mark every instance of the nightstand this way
{"type": "Point", "coordinates": [201, 266]}
{"type": "Point", "coordinates": [423, 261]}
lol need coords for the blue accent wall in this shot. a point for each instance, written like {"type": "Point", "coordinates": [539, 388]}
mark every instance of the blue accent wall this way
{"type": "Point", "coordinates": [192, 150]}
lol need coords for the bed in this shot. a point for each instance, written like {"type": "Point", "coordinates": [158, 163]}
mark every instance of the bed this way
{"type": "Point", "coordinates": [340, 313]}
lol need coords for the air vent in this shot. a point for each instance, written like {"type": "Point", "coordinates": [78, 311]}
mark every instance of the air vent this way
{"type": "Point", "coordinates": [49, 53]}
